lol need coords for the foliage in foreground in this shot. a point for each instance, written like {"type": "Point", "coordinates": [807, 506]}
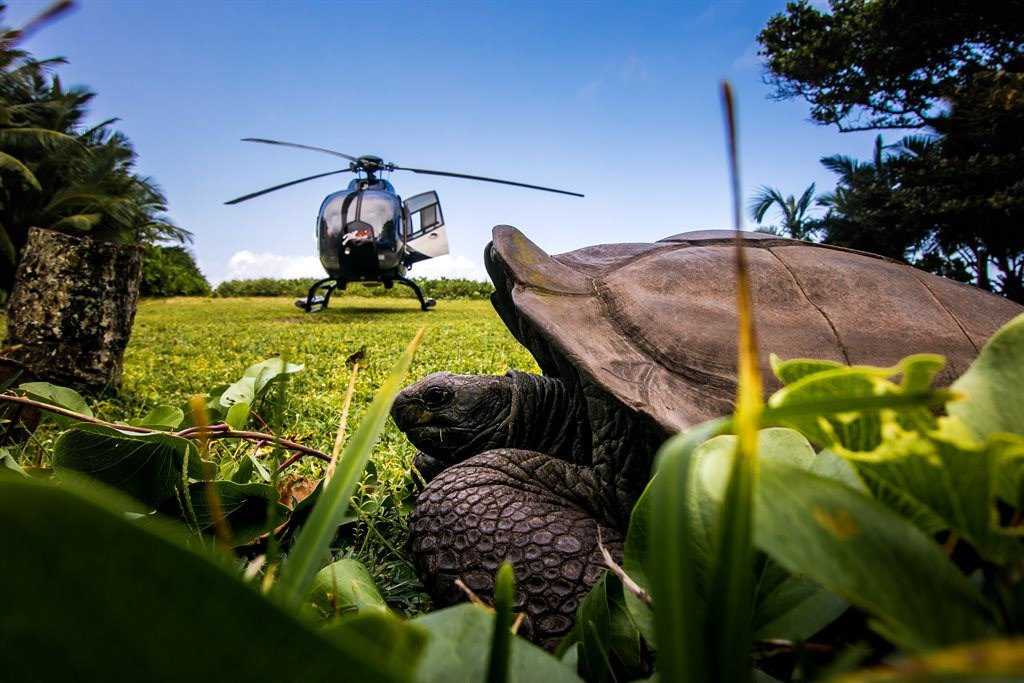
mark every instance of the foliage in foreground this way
{"type": "Point", "coordinates": [853, 525]}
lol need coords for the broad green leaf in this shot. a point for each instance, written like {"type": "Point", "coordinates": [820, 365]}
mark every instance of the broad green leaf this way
{"type": "Point", "coordinates": [392, 642]}
{"type": "Point", "coordinates": [98, 597]}
{"type": "Point", "coordinates": [161, 417]}
{"type": "Point", "coordinates": [238, 415]}
{"type": "Point", "coordinates": [994, 385]}
{"type": "Point", "coordinates": [62, 397]}
{"type": "Point", "coordinates": [459, 645]}
{"type": "Point", "coordinates": [311, 546]}
{"type": "Point", "coordinates": [341, 588]}
{"type": "Point", "coordinates": [8, 465]}
{"type": "Point", "coordinates": [791, 370]}
{"type": "Point", "coordinates": [945, 480]}
{"type": "Point", "coordinates": [255, 380]}
{"type": "Point", "coordinates": [833, 407]}
{"type": "Point", "coordinates": [786, 606]}
{"type": "Point", "coordinates": [250, 510]}
{"type": "Point", "coordinates": [1009, 475]}
{"type": "Point", "coordinates": [147, 467]}
{"type": "Point", "coordinates": [607, 644]}
{"type": "Point", "coordinates": [679, 617]}
{"type": "Point", "coordinates": [870, 556]}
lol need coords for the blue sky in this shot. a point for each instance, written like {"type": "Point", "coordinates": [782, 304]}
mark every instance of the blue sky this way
{"type": "Point", "coordinates": [617, 100]}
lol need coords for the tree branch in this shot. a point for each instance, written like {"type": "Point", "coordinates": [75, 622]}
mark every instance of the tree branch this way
{"type": "Point", "coordinates": [217, 431]}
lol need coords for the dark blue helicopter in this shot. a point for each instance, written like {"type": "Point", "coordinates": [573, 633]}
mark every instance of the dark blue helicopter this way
{"type": "Point", "coordinates": [366, 233]}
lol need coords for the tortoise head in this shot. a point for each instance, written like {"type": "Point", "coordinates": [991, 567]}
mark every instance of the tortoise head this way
{"type": "Point", "coordinates": [451, 417]}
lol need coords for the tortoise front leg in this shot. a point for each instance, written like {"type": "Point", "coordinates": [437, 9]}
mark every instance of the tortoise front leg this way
{"type": "Point", "coordinates": [539, 513]}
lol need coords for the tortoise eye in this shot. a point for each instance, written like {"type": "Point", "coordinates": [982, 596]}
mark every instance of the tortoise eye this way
{"type": "Point", "coordinates": [436, 396]}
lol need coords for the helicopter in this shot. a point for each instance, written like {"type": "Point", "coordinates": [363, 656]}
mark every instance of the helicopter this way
{"type": "Point", "coordinates": [367, 233]}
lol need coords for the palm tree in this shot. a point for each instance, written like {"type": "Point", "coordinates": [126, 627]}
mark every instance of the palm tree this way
{"type": "Point", "coordinates": [55, 175]}
{"type": "Point", "coordinates": [793, 212]}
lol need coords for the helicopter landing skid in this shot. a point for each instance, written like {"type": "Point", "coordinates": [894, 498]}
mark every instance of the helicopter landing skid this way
{"type": "Point", "coordinates": [317, 302]}
{"type": "Point", "coordinates": [426, 303]}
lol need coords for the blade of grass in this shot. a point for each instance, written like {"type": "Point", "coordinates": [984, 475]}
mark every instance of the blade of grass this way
{"type": "Point", "coordinates": [315, 538]}
{"type": "Point", "coordinates": [501, 642]}
{"type": "Point", "coordinates": [731, 604]}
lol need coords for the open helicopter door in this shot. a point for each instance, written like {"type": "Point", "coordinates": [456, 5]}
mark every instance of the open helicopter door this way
{"type": "Point", "coordinates": [427, 235]}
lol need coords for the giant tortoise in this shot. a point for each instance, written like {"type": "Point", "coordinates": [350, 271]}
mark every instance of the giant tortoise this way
{"type": "Point", "coordinates": [636, 342]}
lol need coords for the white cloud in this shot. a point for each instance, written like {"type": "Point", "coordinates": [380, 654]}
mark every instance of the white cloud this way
{"type": "Point", "coordinates": [451, 267]}
{"type": "Point", "coordinates": [246, 264]}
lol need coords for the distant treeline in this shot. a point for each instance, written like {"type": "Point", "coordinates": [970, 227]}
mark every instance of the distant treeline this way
{"type": "Point", "coordinates": [441, 288]}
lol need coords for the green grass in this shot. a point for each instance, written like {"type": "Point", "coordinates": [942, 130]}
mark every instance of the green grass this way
{"type": "Point", "coordinates": [185, 346]}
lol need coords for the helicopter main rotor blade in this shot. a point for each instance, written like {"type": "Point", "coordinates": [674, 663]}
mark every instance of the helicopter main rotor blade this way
{"type": "Point", "coordinates": [489, 180]}
{"type": "Point", "coordinates": [243, 198]}
{"type": "Point", "coordinates": [293, 144]}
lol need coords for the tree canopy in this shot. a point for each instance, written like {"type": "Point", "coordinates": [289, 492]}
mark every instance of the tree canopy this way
{"type": "Point", "coordinates": [950, 199]}
{"type": "Point", "coordinates": [58, 174]}
{"type": "Point", "coordinates": [872, 64]}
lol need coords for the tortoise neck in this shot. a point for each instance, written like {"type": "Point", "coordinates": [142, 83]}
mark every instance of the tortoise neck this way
{"type": "Point", "coordinates": [543, 416]}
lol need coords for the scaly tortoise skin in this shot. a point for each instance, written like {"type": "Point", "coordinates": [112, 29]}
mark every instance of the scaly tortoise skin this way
{"type": "Point", "coordinates": [636, 342]}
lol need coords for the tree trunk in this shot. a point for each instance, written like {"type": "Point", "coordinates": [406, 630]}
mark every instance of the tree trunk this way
{"type": "Point", "coordinates": [72, 308]}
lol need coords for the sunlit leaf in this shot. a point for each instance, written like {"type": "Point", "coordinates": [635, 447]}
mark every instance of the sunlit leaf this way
{"type": "Point", "coordinates": [994, 385]}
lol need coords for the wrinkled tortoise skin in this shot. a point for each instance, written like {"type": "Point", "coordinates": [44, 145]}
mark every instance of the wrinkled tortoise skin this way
{"type": "Point", "coordinates": [636, 342]}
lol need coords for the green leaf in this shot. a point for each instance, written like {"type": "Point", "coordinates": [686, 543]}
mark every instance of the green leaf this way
{"type": "Point", "coordinates": [8, 465]}
{"type": "Point", "coordinates": [848, 409]}
{"type": "Point", "coordinates": [238, 415]}
{"type": "Point", "coordinates": [250, 510]}
{"type": "Point", "coordinates": [679, 616]}
{"type": "Point", "coordinates": [870, 556]}
{"type": "Point", "coordinates": [147, 467]}
{"type": "Point", "coordinates": [98, 597]}
{"type": "Point", "coordinates": [62, 397]}
{"type": "Point", "coordinates": [393, 643]}
{"type": "Point", "coordinates": [161, 417]}
{"type": "Point", "coordinates": [951, 483]}
{"type": "Point", "coordinates": [341, 588]}
{"type": "Point", "coordinates": [311, 546]}
{"type": "Point", "coordinates": [993, 385]}
{"type": "Point", "coordinates": [786, 606]}
{"type": "Point", "coordinates": [255, 380]}
{"type": "Point", "coordinates": [459, 644]}
{"type": "Point", "coordinates": [608, 644]}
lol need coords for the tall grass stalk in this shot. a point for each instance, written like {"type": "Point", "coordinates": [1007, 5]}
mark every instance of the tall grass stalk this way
{"type": "Point", "coordinates": [315, 538]}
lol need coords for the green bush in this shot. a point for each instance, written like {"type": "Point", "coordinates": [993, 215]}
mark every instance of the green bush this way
{"type": "Point", "coordinates": [171, 271]}
{"type": "Point", "coordinates": [441, 288]}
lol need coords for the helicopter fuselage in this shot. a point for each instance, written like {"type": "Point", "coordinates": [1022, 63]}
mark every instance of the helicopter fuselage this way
{"type": "Point", "coordinates": [367, 233]}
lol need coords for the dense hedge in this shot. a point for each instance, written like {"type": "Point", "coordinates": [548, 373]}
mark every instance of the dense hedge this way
{"type": "Point", "coordinates": [442, 288]}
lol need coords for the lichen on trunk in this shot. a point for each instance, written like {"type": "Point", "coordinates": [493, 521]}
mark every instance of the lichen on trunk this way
{"type": "Point", "coordinates": [72, 307]}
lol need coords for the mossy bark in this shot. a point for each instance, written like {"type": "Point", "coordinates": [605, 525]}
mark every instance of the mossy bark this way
{"type": "Point", "coordinates": [72, 307]}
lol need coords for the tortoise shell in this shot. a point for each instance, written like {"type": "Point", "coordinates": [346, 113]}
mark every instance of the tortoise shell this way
{"type": "Point", "coordinates": [655, 324]}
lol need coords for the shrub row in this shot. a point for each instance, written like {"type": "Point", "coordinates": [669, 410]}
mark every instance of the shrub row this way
{"type": "Point", "coordinates": [440, 288]}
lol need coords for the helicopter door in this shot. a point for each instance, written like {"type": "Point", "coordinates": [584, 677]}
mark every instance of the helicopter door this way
{"type": "Point", "coordinates": [427, 236]}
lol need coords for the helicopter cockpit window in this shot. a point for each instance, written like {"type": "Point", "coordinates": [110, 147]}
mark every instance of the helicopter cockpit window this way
{"type": "Point", "coordinates": [381, 212]}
